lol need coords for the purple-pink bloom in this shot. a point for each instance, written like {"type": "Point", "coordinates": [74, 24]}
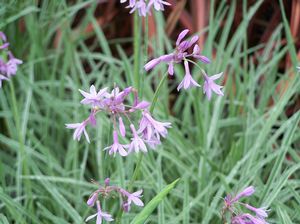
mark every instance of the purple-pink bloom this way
{"type": "Point", "coordinates": [79, 129]}
{"type": "Point", "coordinates": [150, 127]}
{"type": "Point", "coordinates": [247, 219]}
{"type": "Point", "coordinates": [140, 106]}
{"type": "Point", "coordinates": [158, 5]}
{"type": "Point", "coordinates": [248, 191]}
{"type": "Point", "coordinates": [92, 199]}
{"type": "Point", "coordinates": [100, 215]}
{"type": "Point", "coordinates": [260, 212]}
{"type": "Point", "coordinates": [132, 197]}
{"type": "Point", "coordinates": [188, 80]}
{"type": "Point", "coordinates": [210, 86]}
{"type": "Point", "coordinates": [122, 127]}
{"type": "Point", "coordinates": [131, 2]}
{"type": "Point", "coordinates": [93, 98]}
{"type": "Point", "coordinates": [137, 143]}
{"type": "Point", "coordinates": [180, 53]}
{"type": "Point", "coordinates": [140, 5]}
{"type": "Point", "coordinates": [12, 65]}
{"type": "Point", "coordinates": [116, 147]}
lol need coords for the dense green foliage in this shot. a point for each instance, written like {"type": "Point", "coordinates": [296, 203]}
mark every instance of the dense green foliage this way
{"type": "Point", "coordinates": [214, 147]}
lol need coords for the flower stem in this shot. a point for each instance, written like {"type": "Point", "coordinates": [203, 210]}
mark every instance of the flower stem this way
{"type": "Point", "coordinates": [141, 155]}
{"type": "Point", "coordinates": [22, 168]}
{"type": "Point", "coordinates": [136, 51]}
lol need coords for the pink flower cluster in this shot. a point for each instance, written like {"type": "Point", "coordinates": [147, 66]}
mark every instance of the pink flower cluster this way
{"type": "Point", "coordinates": [126, 197]}
{"type": "Point", "coordinates": [8, 63]}
{"type": "Point", "coordinates": [181, 54]}
{"type": "Point", "coordinates": [149, 132]}
{"type": "Point", "coordinates": [244, 218]}
{"type": "Point", "coordinates": [142, 7]}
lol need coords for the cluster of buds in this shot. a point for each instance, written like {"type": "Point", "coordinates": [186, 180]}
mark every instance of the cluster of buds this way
{"type": "Point", "coordinates": [149, 132]}
{"type": "Point", "coordinates": [143, 8]}
{"type": "Point", "coordinates": [106, 191]}
{"type": "Point", "coordinates": [240, 217]}
{"type": "Point", "coordinates": [181, 54]}
{"type": "Point", "coordinates": [8, 63]}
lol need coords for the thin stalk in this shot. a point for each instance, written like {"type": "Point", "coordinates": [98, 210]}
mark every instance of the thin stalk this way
{"type": "Point", "coordinates": [136, 51]}
{"type": "Point", "coordinates": [146, 40]}
{"type": "Point", "coordinates": [22, 168]}
{"type": "Point", "coordinates": [141, 155]}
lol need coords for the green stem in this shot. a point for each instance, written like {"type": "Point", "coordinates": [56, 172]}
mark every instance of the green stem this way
{"type": "Point", "coordinates": [141, 155]}
{"type": "Point", "coordinates": [136, 51]}
{"type": "Point", "coordinates": [22, 160]}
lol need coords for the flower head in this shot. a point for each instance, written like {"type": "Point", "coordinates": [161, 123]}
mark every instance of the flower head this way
{"type": "Point", "coordinates": [137, 143]}
{"type": "Point", "coordinates": [248, 191]}
{"type": "Point", "coordinates": [132, 197]}
{"type": "Point", "coordinates": [210, 86]}
{"type": "Point", "coordinates": [144, 9]}
{"type": "Point", "coordinates": [8, 64]}
{"type": "Point", "coordinates": [158, 5]}
{"type": "Point", "coordinates": [188, 80]}
{"type": "Point", "coordinates": [244, 218]}
{"type": "Point", "coordinates": [151, 128]}
{"type": "Point", "coordinates": [116, 147]}
{"type": "Point", "coordinates": [93, 98]}
{"type": "Point", "coordinates": [180, 53]}
{"type": "Point", "coordinates": [100, 215]}
{"type": "Point", "coordinates": [79, 129]}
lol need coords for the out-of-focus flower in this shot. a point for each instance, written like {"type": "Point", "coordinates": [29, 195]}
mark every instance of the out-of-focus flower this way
{"type": "Point", "coordinates": [8, 64]}
{"type": "Point", "coordinates": [132, 197]}
{"type": "Point", "coordinates": [93, 98]}
{"type": "Point", "coordinates": [144, 9]}
{"type": "Point", "coordinates": [108, 190]}
{"type": "Point", "coordinates": [117, 105]}
{"type": "Point", "coordinates": [79, 129]}
{"type": "Point", "coordinates": [210, 86]}
{"type": "Point", "coordinates": [100, 215]}
{"type": "Point", "coordinates": [158, 5]}
{"type": "Point", "coordinates": [151, 128]}
{"type": "Point", "coordinates": [137, 143]}
{"type": "Point", "coordinates": [188, 80]}
{"type": "Point", "coordinates": [116, 147]}
{"type": "Point", "coordinates": [244, 218]}
{"type": "Point", "coordinates": [180, 53]}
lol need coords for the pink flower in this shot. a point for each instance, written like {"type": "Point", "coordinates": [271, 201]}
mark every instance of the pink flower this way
{"type": "Point", "coordinates": [141, 7]}
{"type": "Point", "coordinates": [248, 191]}
{"type": "Point", "coordinates": [180, 53]}
{"type": "Point", "coordinates": [247, 219]}
{"type": "Point", "coordinates": [116, 146]}
{"type": "Point", "coordinates": [92, 199]}
{"type": "Point", "coordinates": [150, 127]}
{"type": "Point", "coordinates": [132, 197]}
{"type": "Point", "coordinates": [260, 212]}
{"type": "Point", "coordinates": [79, 129]}
{"type": "Point", "coordinates": [210, 85]}
{"type": "Point", "coordinates": [137, 143]}
{"type": "Point", "coordinates": [158, 5]}
{"type": "Point", "coordinates": [93, 98]}
{"type": "Point", "coordinates": [12, 65]}
{"type": "Point", "coordinates": [140, 106]}
{"type": "Point", "coordinates": [122, 127]}
{"type": "Point", "coordinates": [188, 80]}
{"type": "Point", "coordinates": [100, 215]}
